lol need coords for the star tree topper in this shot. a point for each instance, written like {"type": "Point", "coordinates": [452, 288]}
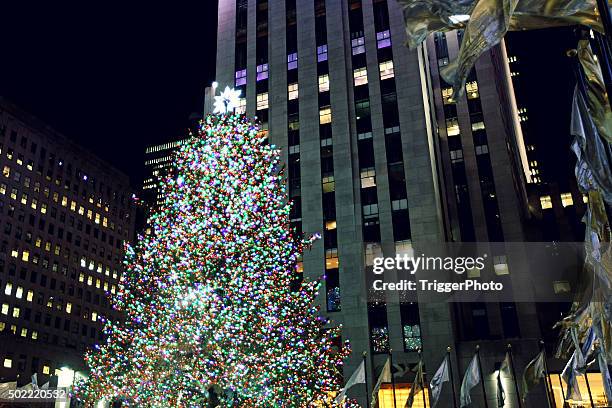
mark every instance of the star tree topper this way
{"type": "Point", "coordinates": [227, 101]}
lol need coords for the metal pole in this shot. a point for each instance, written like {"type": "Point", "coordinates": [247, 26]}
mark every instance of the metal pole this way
{"type": "Point", "coordinates": [606, 43]}
{"type": "Point", "coordinates": [424, 381]}
{"type": "Point", "coordinates": [365, 369]}
{"type": "Point", "coordinates": [562, 391]}
{"type": "Point", "coordinates": [606, 19]}
{"type": "Point", "coordinates": [452, 377]}
{"type": "Point", "coordinates": [482, 380]}
{"type": "Point", "coordinates": [549, 392]}
{"type": "Point", "coordinates": [392, 376]}
{"type": "Point", "coordinates": [586, 379]}
{"type": "Point", "coordinates": [516, 387]}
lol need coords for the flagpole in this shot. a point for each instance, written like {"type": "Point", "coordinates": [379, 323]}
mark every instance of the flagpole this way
{"type": "Point", "coordinates": [586, 379]}
{"type": "Point", "coordinates": [516, 387]}
{"type": "Point", "coordinates": [452, 378]}
{"type": "Point", "coordinates": [549, 391]}
{"type": "Point", "coordinates": [392, 376]}
{"type": "Point", "coordinates": [562, 390]}
{"type": "Point", "coordinates": [482, 379]}
{"type": "Point", "coordinates": [365, 369]}
{"type": "Point", "coordinates": [424, 381]}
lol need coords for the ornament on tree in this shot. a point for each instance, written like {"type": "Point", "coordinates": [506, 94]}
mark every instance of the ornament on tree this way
{"type": "Point", "coordinates": [212, 312]}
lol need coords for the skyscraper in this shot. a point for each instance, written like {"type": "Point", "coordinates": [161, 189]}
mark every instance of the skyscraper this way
{"type": "Point", "coordinates": [359, 119]}
{"type": "Point", "coordinates": [64, 216]}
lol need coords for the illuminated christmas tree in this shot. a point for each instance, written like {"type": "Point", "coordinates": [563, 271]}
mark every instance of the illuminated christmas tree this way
{"type": "Point", "coordinates": [214, 314]}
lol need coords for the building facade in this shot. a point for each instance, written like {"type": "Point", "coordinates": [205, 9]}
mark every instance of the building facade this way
{"type": "Point", "coordinates": [380, 161]}
{"type": "Point", "coordinates": [64, 217]}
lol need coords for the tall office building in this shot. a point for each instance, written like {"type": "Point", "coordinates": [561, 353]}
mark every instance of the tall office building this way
{"type": "Point", "coordinates": [379, 161]}
{"type": "Point", "coordinates": [64, 216]}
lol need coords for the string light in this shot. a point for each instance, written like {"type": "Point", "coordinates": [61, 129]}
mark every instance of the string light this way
{"type": "Point", "coordinates": [214, 307]}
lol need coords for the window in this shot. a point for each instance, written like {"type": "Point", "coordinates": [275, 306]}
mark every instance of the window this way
{"type": "Point", "coordinates": [447, 95]}
{"type": "Point", "coordinates": [331, 258]}
{"type": "Point", "coordinates": [386, 70]}
{"type": "Point", "coordinates": [8, 289]}
{"type": "Point", "coordinates": [46, 369]}
{"type": "Point", "coordinates": [329, 184]}
{"type": "Point", "coordinates": [262, 72]}
{"type": "Point", "coordinates": [324, 83]}
{"type": "Point", "coordinates": [292, 90]}
{"type": "Point", "coordinates": [68, 307]}
{"type": "Point", "coordinates": [262, 101]}
{"type": "Point", "coordinates": [325, 115]}
{"type": "Point", "coordinates": [500, 265]}
{"type": "Point", "coordinates": [401, 204]}
{"type": "Point", "coordinates": [241, 108]}
{"type": "Point", "coordinates": [370, 210]}
{"type": "Point", "coordinates": [29, 295]}
{"type": "Point", "coordinates": [412, 337]}
{"type": "Point", "coordinates": [566, 199]}
{"type": "Point", "coordinates": [16, 312]}
{"type": "Point", "coordinates": [6, 171]}
{"type": "Point", "coordinates": [360, 75]}
{"type": "Point", "coordinates": [8, 363]}
{"type": "Point", "coordinates": [368, 177]}
{"type": "Point", "coordinates": [456, 156]}
{"type": "Point", "coordinates": [322, 53]}
{"type": "Point", "coordinates": [383, 39]}
{"type": "Point", "coordinates": [452, 127]}
{"type": "Point", "coordinates": [358, 45]}
{"type": "Point", "coordinates": [241, 77]}
{"type": "Point", "coordinates": [545, 202]}
{"type": "Point", "coordinates": [471, 89]}
{"type": "Point", "coordinates": [478, 126]}
{"type": "Point", "coordinates": [482, 149]}
{"type": "Point", "coordinates": [292, 61]}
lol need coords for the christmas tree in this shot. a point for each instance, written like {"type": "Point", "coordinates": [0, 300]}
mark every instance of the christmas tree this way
{"type": "Point", "coordinates": [214, 314]}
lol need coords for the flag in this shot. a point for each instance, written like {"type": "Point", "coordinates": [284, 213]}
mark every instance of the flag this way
{"type": "Point", "coordinates": [418, 385]}
{"type": "Point", "coordinates": [358, 377]}
{"type": "Point", "coordinates": [6, 387]}
{"type": "Point", "coordinates": [441, 376]}
{"type": "Point", "coordinates": [385, 376]}
{"type": "Point", "coordinates": [45, 386]}
{"type": "Point", "coordinates": [534, 371]}
{"type": "Point", "coordinates": [569, 375]}
{"type": "Point", "coordinates": [605, 375]}
{"type": "Point", "coordinates": [486, 22]}
{"type": "Point", "coordinates": [501, 393]}
{"type": "Point", "coordinates": [35, 380]}
{"type": "Point", "coordinates": [470, 380]}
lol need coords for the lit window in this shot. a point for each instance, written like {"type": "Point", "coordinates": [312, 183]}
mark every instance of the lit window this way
{"type": "Point", "coordinates": [330, 225]}
{"type": "Point", "coordinates": [360, 75]}
{"type": "Point", "coordinates": [68, 307]}
{"type": "Point", "coordinates": [292, 90]}
{"type": "Point", "coordinates": [401, 204]}
{"type": "Point", "coordinates": [324, 83]}
{"type": "Point", "coordinates": [292, 61]}
{"type": "Point", "coordinates": [452, 127]}
{"type": "Point", "coordinates": [545, 202]}
{"type": "Point", "coordinates": [471, 89]}
{"type": "Point", "coordinates": [241, 77]}
{"type": "Point", "coordinates": [25, 256]}
{"type": "Point", "coordinates": [81, 210]}
{"type": "Point", "coordinates": [81, 277]}
{"type": "Point", "coordinates": [2, 188]}
{"type": "Point", "coordinates": [383, 39]}
{"type": "Point", "coordinates": [89, 280]}
{"type": "Point", "coordinates": [89, 214]}
{"type": "Point", "coordinates": [19, 292]}
{"type": "Point", "coordinates": [322, 53]}
{"type": "Point", "coordinates": [456, 156]}
{"type": "Point", "coordinates": [73, 205]}
{"type": "Point", "coordinates": [368, 177]}
{"type": "Point", "coordinates": [16, 311]}
{"type": "Point", "coordinates": [482, 149]}
{"type": "Point", "coordinates": [6, 171]}
{"type": "Point", "coordinates": [34, 335]}
{"type": "Point", "coordinates": [358, 45]}
{"type": "Point", "coordinates": [561, 287]}
{"type": "Point", "coordinates": [370, 210]}
{"type": "Point", "coordinates": [447, 94]}
{"type": "Point", "coordinates": [64, 201]}
{"type": "Point", "coordinates": [29, 295]}
{"type": "Point", "coordinates": [500, 265]}
{"type": "Point", "coordinates": [5, 309]}
{"type": "Point", "coordinates": [2, 326]}
{"type": "Point", "coordinates": [325, 115]}
{"type": "Point", "coordinates": [8, 363]}
{"type": "Point", "coordinates": [14, 253]}
{"type": "Point", "coordinates": [8, 289]}
{"type": "Point", "coordinates": [24, 198]}
{"type": "Point", "coordinates": [262, 72]}
{"type": "Point", "coordinates": [329, 184]}
{"type": "Point", "coordinates": [566, 199]}
{"type": "Point", "coordinates": [24, 332]}
{"type": "Point", "coordinates": [94, 316]}
{"type": "Point", "coordinates": [262, 101]}
{"type": "Point", "coordinates": [412, 337]}
{"type": "Point", "coordinates": [478, 126]}
{"type": "Point", "coordinates": [34, 203]}
{"type": "Point", "coordinates": [386, 70]}
{"type": "Point", "coordinates": [331, 258]}
{"type": "Point", "coordinates": [46, 369]}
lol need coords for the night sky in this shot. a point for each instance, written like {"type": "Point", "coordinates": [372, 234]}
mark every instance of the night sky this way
{"type": "Point", "coordinates": [118, 76]}
{"type": "Point", "coordinates": [115, 76]}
